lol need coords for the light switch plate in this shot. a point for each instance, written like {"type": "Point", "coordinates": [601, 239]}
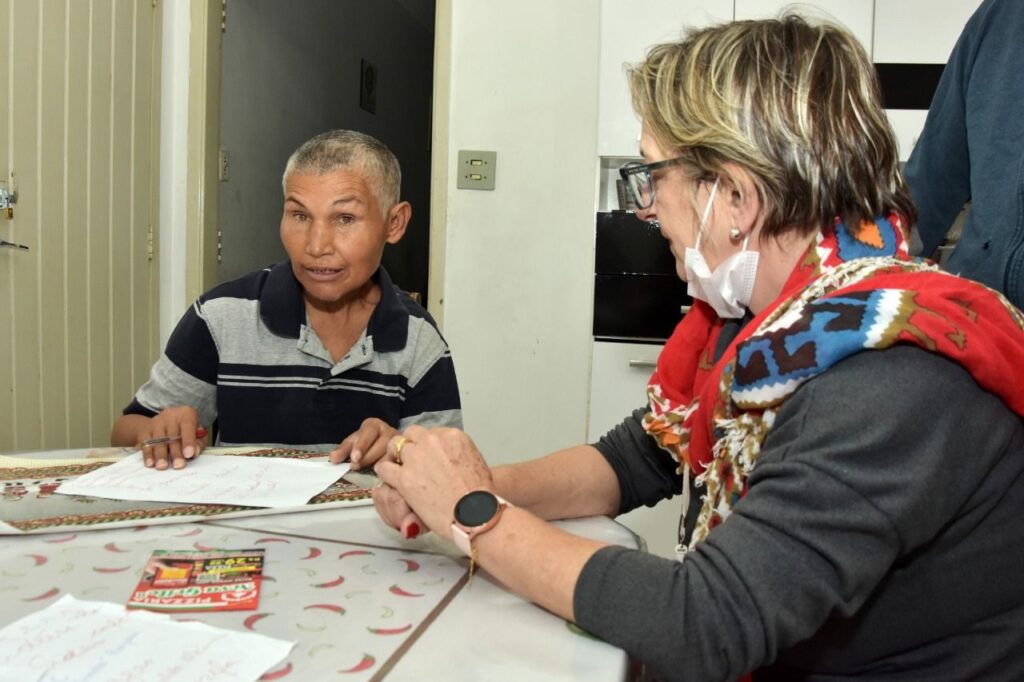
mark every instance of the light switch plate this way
{"type": "Point", "coordinates": [476, 169]}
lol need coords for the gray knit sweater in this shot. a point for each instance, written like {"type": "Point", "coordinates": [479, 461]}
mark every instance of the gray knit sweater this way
{"type": "Point", "coordinates": [882, 538]}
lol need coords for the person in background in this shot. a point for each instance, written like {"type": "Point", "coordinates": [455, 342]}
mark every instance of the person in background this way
{"type": "Point", "coordinates": [972, 150]}
{"type": "Point", "coordinates": [321, 351]}
{"type": "Point", "coordinates": [849, 418]}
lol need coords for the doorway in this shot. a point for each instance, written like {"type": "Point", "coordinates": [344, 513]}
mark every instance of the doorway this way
{"type": "Point", "coordinates": [292, 70]}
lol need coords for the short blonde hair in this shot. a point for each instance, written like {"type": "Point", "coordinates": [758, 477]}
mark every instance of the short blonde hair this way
{"type": "Point", "coordinates": [796, 105]}
{"type": "Point", "coordinates": [348, 149]}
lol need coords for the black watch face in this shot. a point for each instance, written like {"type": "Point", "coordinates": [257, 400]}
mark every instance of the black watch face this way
{"type": "Point", "coordinates": [476, 508]}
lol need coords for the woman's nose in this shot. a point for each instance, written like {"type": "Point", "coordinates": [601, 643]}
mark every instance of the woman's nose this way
{"type": "Point", "coordinates": [646, 214]}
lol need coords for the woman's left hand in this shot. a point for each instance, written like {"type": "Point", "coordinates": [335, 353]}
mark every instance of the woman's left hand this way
{"type": "Point", "coordinates": [435, 468]}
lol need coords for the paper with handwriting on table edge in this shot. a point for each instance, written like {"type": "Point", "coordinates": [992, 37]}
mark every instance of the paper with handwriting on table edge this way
{"type": "Point", "coordinates": [86, 640]}
{"type": "Point", "coordinates": [219, 479]}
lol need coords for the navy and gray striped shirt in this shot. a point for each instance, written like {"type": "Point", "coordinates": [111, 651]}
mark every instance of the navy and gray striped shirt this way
{"type": "Point", "coordinates": [245, 355]}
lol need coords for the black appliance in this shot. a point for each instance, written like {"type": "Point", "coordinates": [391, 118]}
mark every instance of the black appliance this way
{"type": "Point", "coordinates": [637, 293]}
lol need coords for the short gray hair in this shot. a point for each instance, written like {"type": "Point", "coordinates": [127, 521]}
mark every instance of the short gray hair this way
{"type": "Point", "coordinates": [344, 149]}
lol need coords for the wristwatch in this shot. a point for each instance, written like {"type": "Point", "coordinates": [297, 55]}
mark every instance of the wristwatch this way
{"type": "Point", "coordinates": [476, 512]}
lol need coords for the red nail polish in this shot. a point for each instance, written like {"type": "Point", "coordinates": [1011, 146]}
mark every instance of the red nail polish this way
{"type": "Point", "coordinates": [412, 530]}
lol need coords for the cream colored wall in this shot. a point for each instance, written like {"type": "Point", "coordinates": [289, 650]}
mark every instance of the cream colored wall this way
{"type": "Point", "coordinates": [78, 134]}
{"type": "Point", "coordinates": [518, 261]}
{"type": "Point", "coordinates": [173, 164]}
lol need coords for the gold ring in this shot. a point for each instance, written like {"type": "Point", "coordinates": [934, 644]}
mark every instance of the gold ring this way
{"type": "Point", "coordinates": [399, 444]}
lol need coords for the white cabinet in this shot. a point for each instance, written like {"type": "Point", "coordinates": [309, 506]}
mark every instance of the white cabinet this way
{"type": "Point", "coordinates": [628, 28]}
{"type": "Point", "coordinates": [916, 32]}
{"type": "Point", "coordinates": [618, 386]}
{"type": "Point", "coordinates": [919, 31]}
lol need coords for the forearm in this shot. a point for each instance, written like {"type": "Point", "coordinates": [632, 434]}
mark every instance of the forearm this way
{"type": "Point", "coordinates": [127, 428]}
{"type": "Point", "coordinates": [569, 483]}
{"type": "Point", "coordinates": [437, 467]}
{"type": "Point", "coordinates": [535, 559]}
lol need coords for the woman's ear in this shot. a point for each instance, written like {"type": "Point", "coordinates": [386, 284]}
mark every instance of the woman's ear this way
{"type": "Point", "coordinates": [744, 204]}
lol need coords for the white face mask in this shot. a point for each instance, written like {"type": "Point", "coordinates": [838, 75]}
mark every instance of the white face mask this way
{"type": "Point", "coordinates": [728, 289]}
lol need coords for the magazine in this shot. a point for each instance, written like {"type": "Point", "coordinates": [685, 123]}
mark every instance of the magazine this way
{"type": "Point", "coordinates": [215, 580]}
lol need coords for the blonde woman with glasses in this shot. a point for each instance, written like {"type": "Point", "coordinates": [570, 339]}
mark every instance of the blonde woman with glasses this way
{"type": "Point", "coordinates": [841, 422]}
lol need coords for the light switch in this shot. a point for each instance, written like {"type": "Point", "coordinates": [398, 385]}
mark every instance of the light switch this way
{"type": "Point", "coordinates": [476, 169]}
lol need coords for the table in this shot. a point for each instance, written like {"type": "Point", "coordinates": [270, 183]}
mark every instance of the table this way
{"type": "Point", "coordinates": [360, 602]}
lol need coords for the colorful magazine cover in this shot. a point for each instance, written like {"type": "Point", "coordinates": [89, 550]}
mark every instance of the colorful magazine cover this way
{"type": "Point", "coordinates": [215, 580]}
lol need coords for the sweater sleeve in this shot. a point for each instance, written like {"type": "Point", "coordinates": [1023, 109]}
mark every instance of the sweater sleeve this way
{"type": "Point", "coordinates": [850, 478]}
{"type": "Point", "coordinates": [646, 473]}
{"type": "Point", "coordinates": [939, 169]}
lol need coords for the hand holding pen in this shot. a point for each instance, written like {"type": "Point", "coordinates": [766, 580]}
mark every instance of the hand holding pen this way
{"type": "Point", "coordinates": [172, 437]}
{"type": "Point", "coordinates": [200, 433]}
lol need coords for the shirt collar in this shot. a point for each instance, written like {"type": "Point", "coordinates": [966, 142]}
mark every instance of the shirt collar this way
{"type": "Point", "coordinates": [283, 309]}
{"type": "Point", "coordinates": [389, 324]}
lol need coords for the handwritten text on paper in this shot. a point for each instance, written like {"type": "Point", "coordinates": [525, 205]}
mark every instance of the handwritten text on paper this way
{"type": "Point", "coordinates": [214, 479]}
{"type": "Point", "coordinates": [97, 641]}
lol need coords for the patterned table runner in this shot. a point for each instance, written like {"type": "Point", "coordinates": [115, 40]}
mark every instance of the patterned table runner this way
{"type": "Point", "coordinates": [28, 503]}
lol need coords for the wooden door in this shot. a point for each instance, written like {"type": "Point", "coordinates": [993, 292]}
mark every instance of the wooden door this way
{"type": "Point", "coordinates": [79, 115]}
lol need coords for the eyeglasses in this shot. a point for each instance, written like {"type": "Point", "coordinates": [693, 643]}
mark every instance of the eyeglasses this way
{"type": "Point", "coordinates": [639, 179]}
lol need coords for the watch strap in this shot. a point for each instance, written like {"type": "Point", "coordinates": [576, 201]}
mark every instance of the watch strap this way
{"type": "Point", "coordinates": [462, 540]}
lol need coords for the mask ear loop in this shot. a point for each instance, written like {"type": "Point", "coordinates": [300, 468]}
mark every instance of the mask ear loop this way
{"type": "Point", "coordinates": [681, 547]}
{"type": "Point", "coordinates": [707, 212]}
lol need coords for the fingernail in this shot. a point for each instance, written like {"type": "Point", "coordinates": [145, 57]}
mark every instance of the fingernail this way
{"type": "Point", "coordinates": [189, 452]}
{"type": "Point", "coordinates": [149, 462]}
{"type": "Point", "coordinates": [412, 530]}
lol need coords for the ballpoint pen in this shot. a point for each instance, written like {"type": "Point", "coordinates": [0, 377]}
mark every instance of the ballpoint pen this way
{"type": "Point", "coordinates": [200, 433]}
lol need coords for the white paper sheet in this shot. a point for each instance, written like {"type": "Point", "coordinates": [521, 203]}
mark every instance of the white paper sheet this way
{"type": "Point", "coordinates": [100, 642]}
{"type": "Point", "coordinates": [220, 479]}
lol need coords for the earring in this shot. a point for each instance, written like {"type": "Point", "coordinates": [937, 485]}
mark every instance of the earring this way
{"type": "Point", "coordinates": [735, 234]}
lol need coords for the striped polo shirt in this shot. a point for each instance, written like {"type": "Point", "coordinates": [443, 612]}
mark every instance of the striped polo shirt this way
{"type": "Point", "coordinates": [244, 355]}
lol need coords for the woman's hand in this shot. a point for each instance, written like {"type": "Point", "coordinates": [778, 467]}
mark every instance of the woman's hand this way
{"type": "Point", "coordinates": [367, 445]}
{"type": "Point", "coordinates": [181, 423]}
{"type": "Point", "coordinates": [436, 468]}
{"type": "Point", "coordinates": [395, 512]}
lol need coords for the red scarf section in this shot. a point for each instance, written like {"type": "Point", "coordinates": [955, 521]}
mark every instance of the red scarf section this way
{"type": "Point", "coordinates": [712, 417]}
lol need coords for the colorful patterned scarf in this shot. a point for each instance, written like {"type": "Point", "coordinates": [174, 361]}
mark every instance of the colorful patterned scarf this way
{"type": "Point", "coordinates": [850, 292]}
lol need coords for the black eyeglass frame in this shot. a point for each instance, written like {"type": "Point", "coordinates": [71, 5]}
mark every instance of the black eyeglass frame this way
{"type": "Point", "coordinates": [635, 168]}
